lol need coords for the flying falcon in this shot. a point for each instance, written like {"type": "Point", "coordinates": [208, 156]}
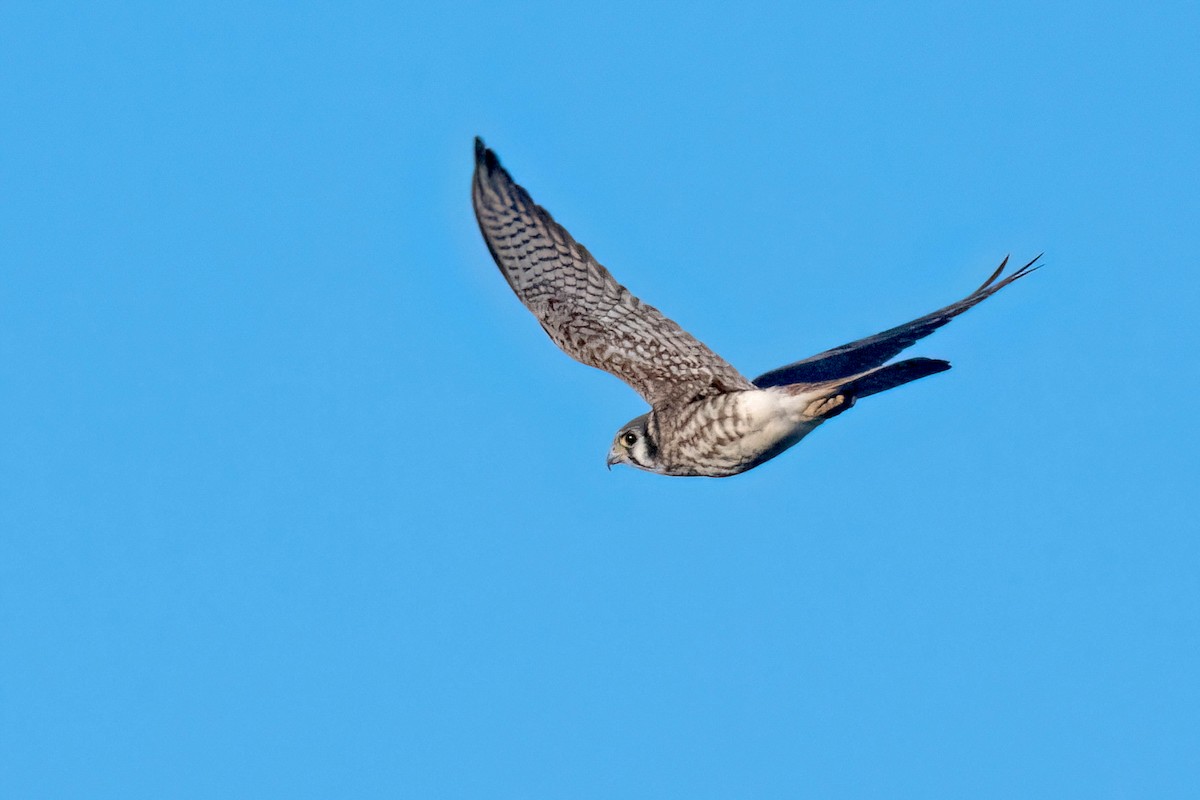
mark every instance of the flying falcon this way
{"type": "Point", "coordinates": [705, 418]}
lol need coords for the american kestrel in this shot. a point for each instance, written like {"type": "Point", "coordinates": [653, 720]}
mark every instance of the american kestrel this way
{"type": "Point", "coordinates": [705, 418]}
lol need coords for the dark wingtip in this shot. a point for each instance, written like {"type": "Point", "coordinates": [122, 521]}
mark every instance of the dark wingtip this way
{"type": "Point", "coordinates": [1033, 263]}
{"type": "Point", "coordinates": [991, 287]}
{"type": "Point", "coordinates": [1032, 266]}
{"type": "Point", "coordinates": [484, 156]}
{"type": "Point", "coordinates": [994, 275]}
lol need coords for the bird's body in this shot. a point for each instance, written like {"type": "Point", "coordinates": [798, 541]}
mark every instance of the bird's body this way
{"type": "Point", "coordinates": [724, 434]}
{"type": "Point", "coordinates": [706, 418]}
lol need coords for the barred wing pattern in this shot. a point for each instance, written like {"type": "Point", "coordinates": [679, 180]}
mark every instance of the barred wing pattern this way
{"type": "Point", "coordinates": [594, 319]}
{"type": "Point", "coordinates": [874, 351]}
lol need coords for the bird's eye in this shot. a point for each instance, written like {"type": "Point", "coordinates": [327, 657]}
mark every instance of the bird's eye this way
{"type": "Point", "coordinates": [629, 438]}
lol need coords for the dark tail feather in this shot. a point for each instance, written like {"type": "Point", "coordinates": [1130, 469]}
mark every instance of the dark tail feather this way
{"type": "Point", "coordinates": [893, 375]}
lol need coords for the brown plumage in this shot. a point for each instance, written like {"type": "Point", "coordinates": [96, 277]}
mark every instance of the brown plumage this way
{"type": "Point", "coordinates": [706, 418]}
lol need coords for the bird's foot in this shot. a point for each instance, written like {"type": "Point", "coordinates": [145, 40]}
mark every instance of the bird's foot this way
{"type": "Point", "coordinates": [829, 407]}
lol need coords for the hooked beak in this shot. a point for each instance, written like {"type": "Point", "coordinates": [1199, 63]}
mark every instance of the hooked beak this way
{"type": "Point", "coordinates": [613, 458]}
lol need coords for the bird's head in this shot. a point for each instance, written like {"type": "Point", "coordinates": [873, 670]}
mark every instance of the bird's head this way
{"type": "Point", "coordinates": [635, 445]}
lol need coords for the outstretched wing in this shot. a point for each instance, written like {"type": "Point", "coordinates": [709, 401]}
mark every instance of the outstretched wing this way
{"type": "Point", "coordinates": [873, 351]}
{"type": "Point", "coordinates": [588, 314]}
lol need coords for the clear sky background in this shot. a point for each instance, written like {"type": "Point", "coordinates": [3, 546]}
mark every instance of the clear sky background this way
{"type": "Point", "coordinates": [296, 500]}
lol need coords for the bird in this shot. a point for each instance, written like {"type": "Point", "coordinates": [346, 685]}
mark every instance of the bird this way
{"type": "Point", "coordinates": [706, 419]}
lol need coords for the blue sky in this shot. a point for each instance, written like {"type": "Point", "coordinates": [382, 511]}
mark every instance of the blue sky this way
{"type": "Point", "coordinates": [296, 500]}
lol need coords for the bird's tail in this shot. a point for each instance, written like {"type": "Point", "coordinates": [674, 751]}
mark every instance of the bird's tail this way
{"type": "Point", "coordinates": [890, 376]}
{"type": "Point", "coordinates": [834, 397]}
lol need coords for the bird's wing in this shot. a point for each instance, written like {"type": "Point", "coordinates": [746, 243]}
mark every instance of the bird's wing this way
{"type": "Point", "coordinates": [594, 319]}
{"type": "Point", "coordinates": [873, 351]}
